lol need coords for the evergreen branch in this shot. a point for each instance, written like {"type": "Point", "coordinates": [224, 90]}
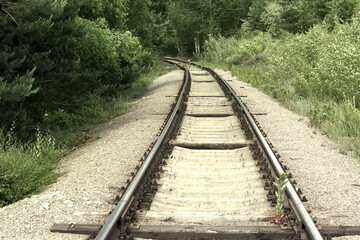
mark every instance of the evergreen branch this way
{"type": "Point", "coordinates": [45, 81]}
{"type": "Point", "coordinates": [5, 11]}
{"type": "Point", "coordinates": [17, 24]}
{"type": "Point", "coordinates": [10, 3]}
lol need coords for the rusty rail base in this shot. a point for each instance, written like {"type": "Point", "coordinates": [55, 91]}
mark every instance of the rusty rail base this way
{"type": "Point", "coordinates": [87, 229]}
{"type": "Point", "coordinates": [339, 231]}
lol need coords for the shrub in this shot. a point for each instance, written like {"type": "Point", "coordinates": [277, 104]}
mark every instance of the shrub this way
{"type": "Point", "coordinates": [117, 56]}
{"type": "Point", "coordinates": [234, 51]}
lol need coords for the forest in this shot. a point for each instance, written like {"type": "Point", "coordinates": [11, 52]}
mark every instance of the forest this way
{"type": "Point", "coordinates": [68, 65]}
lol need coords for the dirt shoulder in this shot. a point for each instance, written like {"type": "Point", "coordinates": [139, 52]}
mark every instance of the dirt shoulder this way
{"type": "Point", "coordinates": [94, 172]}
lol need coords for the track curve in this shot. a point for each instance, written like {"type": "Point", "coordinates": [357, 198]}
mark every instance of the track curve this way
{"type": "Point", "coordinates": [213, 181]}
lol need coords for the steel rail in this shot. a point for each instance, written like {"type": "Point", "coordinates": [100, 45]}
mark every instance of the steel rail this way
{"type": "Point", "coordinates": [311, 229]}
{"type": "Point", "coordinates": [111, 228]}
{"type": "Point", "coordinates": [305, 217]}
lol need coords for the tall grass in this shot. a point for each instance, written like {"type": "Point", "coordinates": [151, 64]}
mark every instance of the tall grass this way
{"type": "Point", "coordinates": [27, 168]}
{"type": "Point", "coordinates": [234, 51]}
{"type": "Point", "coordinates": [315, 74]}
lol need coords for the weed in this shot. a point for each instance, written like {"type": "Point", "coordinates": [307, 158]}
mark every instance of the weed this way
{"type": "Point", "coordinates": [343, 151]}
{"type": "Point", "coordinates": [280, 194]}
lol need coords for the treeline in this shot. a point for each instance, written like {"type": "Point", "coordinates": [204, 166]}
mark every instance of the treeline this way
{"type": "Point", "coordinates": [57, 56]}
{"type": "Point", "coordinates": [193, 22]}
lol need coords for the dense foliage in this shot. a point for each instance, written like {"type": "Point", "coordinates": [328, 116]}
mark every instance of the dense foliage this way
{"type": "Point", "coordinates": [192, 22]}
{"type": "Point", "coordinates": [52, 59]}
{"type": "Point", "coordinates": [55, 55]}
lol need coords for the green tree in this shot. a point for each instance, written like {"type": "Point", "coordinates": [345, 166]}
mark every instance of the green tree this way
{"type": "Point", "coordinates": [256, 10]}
{"type": "Point", "coordinates": [271, 18]}
{"type": "Point", "coordinates": [341, 10]}
{"type": "Point", "coordinates": [290, 19]}
{"type": "Point", "coordinates": [230, 15]}
{"type": "Point", "coordinates": [115, 12]}
{"type": "Point", "coordinates": [163, 35]}
{"type": "Point", "coordinates": [311, 12]}
{"type": "Point", "coordinates": [141, 21]}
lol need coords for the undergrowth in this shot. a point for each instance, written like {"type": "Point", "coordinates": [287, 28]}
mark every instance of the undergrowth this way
{"type": "Point", "coordinates": [68, 127]}
{"type": "Point", "coordinates": [316, 74]}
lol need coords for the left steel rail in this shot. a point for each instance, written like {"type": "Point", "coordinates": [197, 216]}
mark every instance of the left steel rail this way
{"type": "Point", "coordinates": [115, 223]}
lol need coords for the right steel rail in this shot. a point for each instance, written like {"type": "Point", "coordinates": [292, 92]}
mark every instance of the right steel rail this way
{"type": "Point", "coordinates": [310, 227]}
{"type": "Point", "coordinates": [305, 217]}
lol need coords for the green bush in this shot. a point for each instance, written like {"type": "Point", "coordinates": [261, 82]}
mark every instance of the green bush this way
{"type": "Point", "coordinates": [319, 65]}
{"type": "Point", "coordinates": [92, 111]}
{"type": "Point", "coordinates": [117, 56]}
{"type": "Point", "coordinates": [314, 73]}
{"type": "Point", "coordinates": [236, 51]}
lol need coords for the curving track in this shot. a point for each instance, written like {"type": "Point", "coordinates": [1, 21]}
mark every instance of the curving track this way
{"type": "Point", "coordinates": [209, 176]}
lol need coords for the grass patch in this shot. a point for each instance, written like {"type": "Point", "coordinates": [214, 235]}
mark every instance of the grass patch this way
{"type": "Point", "coordinates": [342, 123]}
{"type": "Point", "coordinates": [26, 169]}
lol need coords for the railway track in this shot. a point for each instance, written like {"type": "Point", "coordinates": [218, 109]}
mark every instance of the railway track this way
{"type": "Point", "coordinates": [214, 178]}
{"type": "Point", "coordinates": [210, 175]}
